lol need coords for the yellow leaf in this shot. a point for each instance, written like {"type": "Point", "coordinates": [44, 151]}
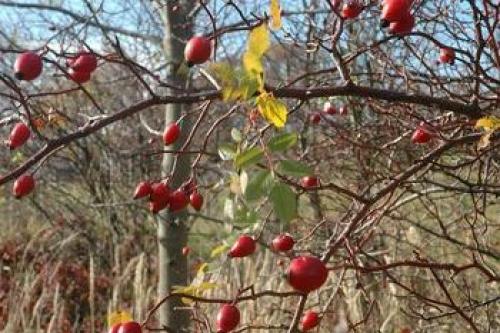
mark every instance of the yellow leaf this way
{"type": "Point", "coordinates": [489, 123]}
{"type": "Point", "coordinates": [258, 41]}
{"type": "Point", "coordinates": [273, 110]}
{"type": "Point", "coordinates": [206, 286]}
{"type": "Point", "coordinates": [218, 250]}
{"type": "Point", "coordinates": [276, 14]}
{"type": "Point", "coordinates": [258, 44]}
{"type": "Point", "coordinates": [188, 290]}
{"type": "Point", "coordinates": [236, 84]}
{"type": "Point", "coordinates": [118, 317]}
{"type": "Point", "coordinates": [193, 290]}
{"type": "Point", "coordinates": [201, 269]}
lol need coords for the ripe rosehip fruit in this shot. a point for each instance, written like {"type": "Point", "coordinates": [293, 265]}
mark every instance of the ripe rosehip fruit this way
{"type": "Point", "coordinates": [142, 190]}
{"type": "Point", "coordinates": [155, 206]}
{"type": "Point", "coordinates": [447, 56]}
{"type": "Point", "coordinates": [130, 327]}
{"type": "Point", "coordinates": [283, 243]}
{"type": "Point", "coordinates": [171, 133]}
{"type": "Point", "coordinates": [309, 182]}
{"type": "Point", "coordinates": [244, 246]}
{"type": "Point", "coordinates": [23, 186]}
{"type": "Point", "coordinates": [160, 192]}
{"type": "Point", "coordinates": [178, 200]}
{"type": "Point", "coordinates": [186, 250]}
{"type": "Point", "coordinates": [328, 108]}
{"type": "Point", "coordinates": [351, 9]}
{"type": "Point", "coordinates": [306, 273]}
{"type": "Point", "coordinates": [227, 318]}
{"type": "Point", "coordinates": [83, 62]}
{"type": "Point", "coordinates": [198, 50]}
{"type": "Point", "coordinates": [28, 66]}
{"type": "Point", "coordinates": [309, 321]}
{"type": "Point", "coordinates": [196, 200]}
{"type": "Point", "coordinates": [114, 328]}
{"type": "Point", "coordinates": [421, 135]}
{"type": "Point", "coordinates": [394, 10]}
{"type": "Point", "coordinates": [19, 135]}
{"type": "Point", "coordinates": [315, 118]}
{"type": "Point", "coordinates": [404, 26]}
{"type": "Point", "coordinates": [79, 76]}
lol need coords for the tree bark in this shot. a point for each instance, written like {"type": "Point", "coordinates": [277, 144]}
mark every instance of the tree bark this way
{"type": "Point", "coordinates": [172, 230]}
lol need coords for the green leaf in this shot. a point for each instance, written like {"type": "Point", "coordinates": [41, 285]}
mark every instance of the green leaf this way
{"type": "Point", "coordinates": [294, 168]}
{"type": "Point", "coordinates": [283, 141]}
{"type": "Point", "coordinates": [258, 185]}
{"type": "Point", "coordinates": [227, 151]}
{"type": "Point", "coordinates": [284, 202]}
{"type": "Point", "coordinates": [248, 157]}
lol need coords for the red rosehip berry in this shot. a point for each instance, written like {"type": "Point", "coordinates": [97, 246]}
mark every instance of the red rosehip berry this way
{"type": "Point", "coordinates": [114, 328]}
{"type": "Point", "coordinates": [447, 56]}
{"type": "Point", "coordinates": [394, 10]}
{"type": "Point", "coordinates": [186, 250]}
{"type": "Point", "coordinates": [315, 118]}
{"type": "Point", "coordinates": [84, 62]}
{"type": "Point", "coordinates": [308, 182]}
{"type": "Point", "coordinates": [328, 108]}
{"type": "Point", "coordinates": [306, 273]}
{"type": "Point", "coordinates": [23, 186]}
{"type": "Point", "coordinates": [142, 190]}
{"type": "Point", "coordinates": [244, 246]}
{"type": "Point", "coordinates": [351, 9]}
{"type": "Point", "coordinates": [309, 321]}
{"type": "Point", "coordinates": [171, 133]}
{"type": "Point", "coordinates": [130, 327]}
{"type": "Point", "coordinates": [178, 200]}
{"type": "Point", "coordinates": [421, 135]}
{"type": "Point", "coordinates": [198, 50]}
{"type": "Point", "coordinates": [403, 26]}
{"type": "Point", "coordinates": [79, 76]}
{"type": "Point", "coordinates": [227, 318]}
{"type": "Point", "coordinates": [196, 200]}
{"type": "Point", "coordinates": [283, 243]}
{"type": "Point", "coordinates": [28, 66]}
{"type": "Point", "coordinates": [19, 135]}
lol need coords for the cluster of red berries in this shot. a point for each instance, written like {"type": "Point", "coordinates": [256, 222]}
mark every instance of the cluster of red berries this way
{"type": "Point", "coordinates": [29, 66]}
{"type": "Point", "coordinates": [129, 327]}
{"type": "Point", "coordinates": [161, 196]}
{"type": "Point", "coordinates": [305, 274]}
{"type": "Point", "coordinates": [397, 16]}
{"type": "Point", "coordinates": [328, 109]}
{"type": "Point", "coordinates": [25, 184]}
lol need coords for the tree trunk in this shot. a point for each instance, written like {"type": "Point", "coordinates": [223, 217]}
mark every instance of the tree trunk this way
{"type": "Point", "coordinates": [172, 230]}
